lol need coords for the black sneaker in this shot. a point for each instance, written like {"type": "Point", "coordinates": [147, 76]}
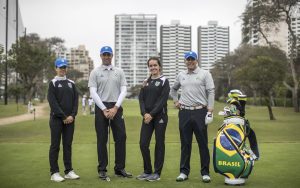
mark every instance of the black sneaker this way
{"type": "Point", "coordinates": [123, 173]}
{"type": "Point", "coordinates": [143, 176]}
{"type": "Point", "coordinates": [103, 175]}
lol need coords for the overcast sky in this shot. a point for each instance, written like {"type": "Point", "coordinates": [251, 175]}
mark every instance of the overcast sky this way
{"type": "Point", "coordinates": [91, 22]}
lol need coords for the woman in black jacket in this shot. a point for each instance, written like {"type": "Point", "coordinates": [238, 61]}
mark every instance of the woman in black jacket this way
{"type": "Point", "coordinates": [63, 101]}
{"type": "Point", "coordinates": [153, 105]}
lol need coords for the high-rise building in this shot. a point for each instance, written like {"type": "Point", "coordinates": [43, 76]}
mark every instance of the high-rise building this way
{"type": "Point", "coordinates": [213, 44]}
{"type": "Point", "coordinates": [295, 27]}
{"type": "Point", "coordinates": [79, 60]}
{"type": "Point", "coordinates": [9, 35]}
{"type": "Point", "coordinates": [276, 35]}
{"type": "Point", "coordinates": [135, 42]}
{"type": "Point", "coordinates": [14, 20]}
{"type": "Point", "coordinates": [175, 40]}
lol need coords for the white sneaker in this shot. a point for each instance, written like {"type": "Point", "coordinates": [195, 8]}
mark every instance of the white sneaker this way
{"type": "Point", "coordinates": [181, 177]}
{"type": "Point", "coordinates": [57, 177]}
{"type": "Point", "coordinates": [206, 178]}
{"type": "Point", "coordinates": [72, 176]}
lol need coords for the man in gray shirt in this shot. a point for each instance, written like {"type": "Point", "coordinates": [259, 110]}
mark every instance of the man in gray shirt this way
{"type": "Point", "coordinates": [108, 89]}
{"type": "Point", "coordinates": [195, 112]}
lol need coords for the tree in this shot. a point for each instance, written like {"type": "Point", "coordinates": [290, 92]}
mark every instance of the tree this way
{"type": "Point", "coordinates": [55, 45]}
{"type": "Point", "coordinates": [29, 59]}
{"type": "Point", "coordinates": [223, 73]}
{"type": "Point", "coordinates": [82, 87]}
{"type": "Point", "coordinates": [266, 14]}
{"type": "Point", "coordinates": [2, 73]}
{"type": "Point", "coordinates": [16, 91]}
{"type": "Point", "coordinates": [134, 91]}
{"type": "Point", "coordinates": [74, 74]}
{"type": "Point", "coordinates": [263, 73]}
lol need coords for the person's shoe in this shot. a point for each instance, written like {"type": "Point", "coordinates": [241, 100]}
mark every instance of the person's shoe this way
{"type": "Point", "coordinates": [72, 176]}
{"type": "Point", "coordinates": [206, 178]}
{"type": "Point", "coordinates": [143, 176]}
{"type": "Point", "coordinates": [181, 177]}
{"type": "Point", "coordinates": [103, 175]}
{"type": "Point", "coordinates": [123, 173]}
{"type": "Point", "coordinates": [57, 177]}
{"type": "Point", "coordinates": [153, 177]}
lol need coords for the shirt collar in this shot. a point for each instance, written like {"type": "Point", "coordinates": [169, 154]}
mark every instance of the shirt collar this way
{"type": "Point", "coordinates": [60, 78]}
{"type": "Point", "coordinates": [194, 71]}
{"type": "Point", "coordinates": [107, 67]}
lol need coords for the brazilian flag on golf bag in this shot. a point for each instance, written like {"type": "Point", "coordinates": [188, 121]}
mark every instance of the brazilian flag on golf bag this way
{"type": "Point", "coordinates": [231, 156]}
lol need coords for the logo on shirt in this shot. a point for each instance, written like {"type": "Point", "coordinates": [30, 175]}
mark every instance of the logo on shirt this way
{"type": "Point", "coordinates": [161, 121]}
{"type": "Point", "coordinates": [157, 83]}
{"type": "Point", "coordinates": [70, 85]}
{"type": "Point", "coordinates": [59, 85]}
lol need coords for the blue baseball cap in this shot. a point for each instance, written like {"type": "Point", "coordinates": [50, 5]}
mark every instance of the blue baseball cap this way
{"type": "Point", "coordinates": [60, 62]}
{"type": "Point", "coordinates": [106, 49]}
{"type": "Point", "coordinates": [190, 54]}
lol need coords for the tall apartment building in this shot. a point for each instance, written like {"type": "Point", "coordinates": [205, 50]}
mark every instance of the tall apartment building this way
{"type": "Point", "coordinates": [15, 24]}
{"type": "Point", "coordinates": [135, 42]}
{"type": "Point", "coordinates": [175, 40]}
{"type": "Point", "coordinates": [295, 27]}
{"type": "Point", "coordinates": [277, 35]}
{"type": "Point", "coordinates": [213, 44]}
{"type": "Point", "coordinates": [15, 30]}
{"type": "Point", "coordinates": [79, 60]}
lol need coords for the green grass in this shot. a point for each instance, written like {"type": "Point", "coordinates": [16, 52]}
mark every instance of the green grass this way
{"type": "Point", "coordinates": [12, 109]}
{"type": "Point", "coordinates": [24, 152]}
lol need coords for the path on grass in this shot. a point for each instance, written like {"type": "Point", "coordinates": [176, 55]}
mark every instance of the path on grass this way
{"type": "Point", "coordinates": [40, 111]}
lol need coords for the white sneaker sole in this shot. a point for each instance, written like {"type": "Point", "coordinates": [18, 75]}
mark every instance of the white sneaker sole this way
{"type": "Point", "coordinates": [153, 180]}
{"type": "Point", "coordinates": [57, 180]}
{"type": "Point", "coordinates": [69, 178]}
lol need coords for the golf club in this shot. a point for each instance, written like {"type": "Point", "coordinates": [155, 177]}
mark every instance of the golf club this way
{"type": "Point", "coordinates": [107, 178]}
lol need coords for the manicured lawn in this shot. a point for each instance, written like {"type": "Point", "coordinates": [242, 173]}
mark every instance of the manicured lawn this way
{"type": "Point", "coordinates": [24, 152]}
{"type": "Point", "coordinates": [12, 109]}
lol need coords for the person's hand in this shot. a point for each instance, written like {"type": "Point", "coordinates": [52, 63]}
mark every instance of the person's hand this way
{"type": "Point", "coordinates": [177, 104]}
{"type": "Point", "coordinates": [112, 112]}
{"type": "Point", "coordinates": [68, 120]}
{"type": "Point", "coordinates": [147, 118]}
{"type": "Point", "coordinates": [144, 83]}
{"type": "Point", "coordinates": [209, 118]}
{"type": "Point", "coordinates": [105, 112]}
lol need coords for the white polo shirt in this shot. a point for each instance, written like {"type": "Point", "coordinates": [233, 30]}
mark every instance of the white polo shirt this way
{"type": "Point", "coordinates": [197, 88]}
{"type": "Point", "coordinates": [108, 81]}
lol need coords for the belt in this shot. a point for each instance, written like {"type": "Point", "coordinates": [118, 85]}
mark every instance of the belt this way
{"type": "Point", "coordinates": [192, 107]}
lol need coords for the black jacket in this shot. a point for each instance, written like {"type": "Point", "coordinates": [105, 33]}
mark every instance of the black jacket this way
{"type": "Point", "coordinates": [154, 95]}
{"type": "Point", "coordinates": [62, 98]}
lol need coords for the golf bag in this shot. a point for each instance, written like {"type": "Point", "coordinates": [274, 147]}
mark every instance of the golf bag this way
{"type": "Point", "coordinates": [231, 157]}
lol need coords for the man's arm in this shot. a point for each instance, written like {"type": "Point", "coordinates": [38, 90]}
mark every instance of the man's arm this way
{"type": "Point", "coordinates": [121, 96]}
{"type": "Point", "coordinates": [174, 93]}
{"type": "Point", "coordinates": [96, 98]}
{"type": "Point", "coordinates": [210, 91]}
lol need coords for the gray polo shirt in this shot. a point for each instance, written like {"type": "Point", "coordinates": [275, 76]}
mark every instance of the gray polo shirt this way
{"type": "Point", "coordinates": [108, 81]}
{"type": "Point", "coordinates": [197, 88]}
